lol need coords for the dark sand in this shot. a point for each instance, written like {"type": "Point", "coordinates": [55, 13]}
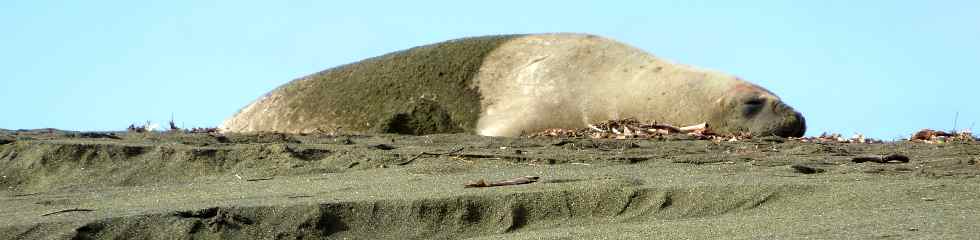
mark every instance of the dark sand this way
{"type": "Point", "coordinates": [274, 186]}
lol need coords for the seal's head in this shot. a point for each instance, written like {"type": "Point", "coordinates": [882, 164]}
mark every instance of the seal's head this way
{"type": "Point", "coordinates": [747, 108]}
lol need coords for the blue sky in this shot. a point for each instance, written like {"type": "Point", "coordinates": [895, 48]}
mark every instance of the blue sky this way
{"type": "Point", "coordinates": [882, 68]}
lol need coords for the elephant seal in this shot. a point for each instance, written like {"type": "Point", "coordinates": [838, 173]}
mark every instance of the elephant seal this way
{"type": "Point", "coordinates": [510, 84]}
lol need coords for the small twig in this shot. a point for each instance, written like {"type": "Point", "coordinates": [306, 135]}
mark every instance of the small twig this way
{"type": "Point", "coordinates": [68, 210]}
{"type": "Point", "coordinates": [955, 119]}
{"type": "Point", "coordinates": [515, 181]}
{"type": "Point", "coordinates": [352, 164]}
{"type": "Point", "coordinates": [429, 154]}
{"type": "Point", "coordinates": [299, 196]}
{"type": "Point", "coordinates": [25, 194]}
{"type": "Point", "coordinates": [258, 179]}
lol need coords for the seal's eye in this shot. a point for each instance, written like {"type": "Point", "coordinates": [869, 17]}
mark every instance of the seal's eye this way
{"type": "Point", "coordinates": [755, 102]}
{"type": "Point", "coordinates": [753, 106]}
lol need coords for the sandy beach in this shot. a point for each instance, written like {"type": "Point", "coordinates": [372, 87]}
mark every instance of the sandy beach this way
{"type": "Point", "coordinates": [158, 185]}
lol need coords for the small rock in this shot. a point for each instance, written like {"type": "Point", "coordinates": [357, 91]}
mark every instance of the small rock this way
{"type": "Point", "coordinates": [896, 157]}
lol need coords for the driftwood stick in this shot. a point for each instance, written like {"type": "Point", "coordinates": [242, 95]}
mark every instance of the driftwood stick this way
{"type": "Point", "coordinates": [515, 181]}
{"type": "Point", "coordinates": [454, 151]}
{"type": "Point", "coordinates": [25, 194]}
{"type": "Point", "coordinates": [693, 128]}
{"type": "Point", "coordinates": [258, 179]}
{"type": "Point", "coordinates": [68, 210]}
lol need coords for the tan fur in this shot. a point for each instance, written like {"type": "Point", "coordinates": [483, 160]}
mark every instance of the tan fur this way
{"type": "Point", "coordinates": [569, 80]}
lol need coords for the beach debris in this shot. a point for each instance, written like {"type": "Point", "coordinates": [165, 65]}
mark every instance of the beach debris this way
{"type": "Point", "coordinates": [382, 146]}
{"type": "Point", "coordinates": [630, 128]}
{"type": "Point", "coordinates": [804, 169]}
{"type": "Point", "coordinates": [694, 128]}
{"type": "Point", "coordinates": [257, 179]}
{"type": "Point", "coordinates": [173, 125]}
{"type": "Point", "coordinates": [595, 128]}
{"type": "Point", "coordinates": [936, 136]}
{"type": "Point", "coordinates": [148, 127]}
{"type": "Point", "coordinates": [67, 210]}
{"type": "Point", "coordinates": [24, 194]}
{"type": "Point", "coordinates": [895, 157]}
{"type": "Point", "coordinates": [515, 181]}
{"type": "Point", "coordinates": [838, 138]}
{"type": "Point", "coordinates": [135, 128]}
{"type": "Point", "coordinates": [204, 130]}
{"type": "Point", "coordinates": [410, 160]}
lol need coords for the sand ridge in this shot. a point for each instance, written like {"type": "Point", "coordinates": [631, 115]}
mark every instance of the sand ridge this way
{"type": "Point", "coordinates": [61, 185]}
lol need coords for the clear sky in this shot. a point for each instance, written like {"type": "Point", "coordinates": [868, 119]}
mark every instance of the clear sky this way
{"type": "Point", "coordinates": [882, 68]}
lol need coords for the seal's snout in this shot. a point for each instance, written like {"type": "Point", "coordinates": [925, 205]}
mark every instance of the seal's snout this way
{"type": "Point", "coordinates": [795, 127]}
{"type": "Point", "coordinates": [781, 120]}
{"type": "Point", "coordinates": [791, 124]}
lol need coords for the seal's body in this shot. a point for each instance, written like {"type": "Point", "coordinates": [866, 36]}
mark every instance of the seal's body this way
{"type": "Point", "coordinates": [506, 85]}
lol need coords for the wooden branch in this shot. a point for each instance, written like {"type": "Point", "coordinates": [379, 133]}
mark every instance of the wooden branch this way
{"type": "Point", "coordinates": [515, 181]}
{"type": "Point", "coordinates": [429, 154]}
{"type": "Point", "coordinates": [68, 210]}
